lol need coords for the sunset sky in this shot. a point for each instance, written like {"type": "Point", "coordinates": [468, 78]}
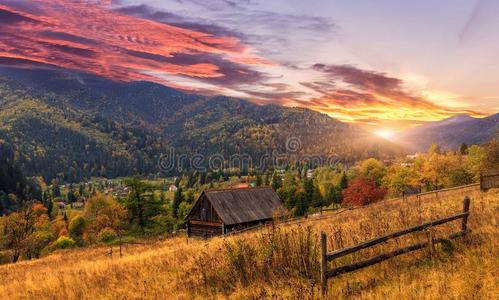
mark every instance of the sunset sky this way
{"type": "Point", "coordinates": [379, 63]}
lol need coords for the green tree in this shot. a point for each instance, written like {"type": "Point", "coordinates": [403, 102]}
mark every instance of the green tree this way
{"type": "Point", "coordinates": [276, 181]}
{"type": "Point", "coordinates": [77, 228]}
{"type": "Point", "coordinates": [136, 201]}
{"type": "Point", "coordinates": [259, 180]}
{"type": "Point", "coordinates": [56, 191]}
{"type": "Point", "coordinates": [178, 198]}
{"type": "Point", "coordinates": [343, 181]}
{"type": "Point", "coordinates": [183, 209]}
{"type": "Point", "coordinates": [463, 149]}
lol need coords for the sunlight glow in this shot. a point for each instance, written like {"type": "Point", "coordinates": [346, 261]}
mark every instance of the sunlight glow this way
{"type": "Point", "coordinates": [385, 133]}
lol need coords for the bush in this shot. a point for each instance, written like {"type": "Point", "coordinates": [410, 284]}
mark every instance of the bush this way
{"type": "Point", "coordinates": [106, 235]}
{"type": "Point", "coordinates": [76, 228]}
{"type": "Point", "coordinates": [64, 242]}
{"type": "Point", "coordinates": [37, 242]}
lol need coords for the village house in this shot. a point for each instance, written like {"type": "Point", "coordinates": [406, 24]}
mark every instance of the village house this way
{"type": "Point", "coordinates": [218, 212]}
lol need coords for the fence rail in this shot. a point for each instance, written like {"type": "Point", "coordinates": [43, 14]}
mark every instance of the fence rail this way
{"type": "Point", "coordinates": [328, 256]}
{"type": "Point", "coordinates": [477, 185]}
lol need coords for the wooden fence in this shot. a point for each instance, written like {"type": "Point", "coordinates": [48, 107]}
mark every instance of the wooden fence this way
{"type": "Point", "coordinates": [326, 257]}
{"type": "Point", "coordinates": [489, 180]}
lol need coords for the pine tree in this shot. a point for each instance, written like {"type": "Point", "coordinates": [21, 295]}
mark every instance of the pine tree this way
{"type": "Point", "coordinates": [177, 199]}
{"type": "Point", "coordinates": [266, 179]}
{"type": "Point", "coordinates": [162, 196]}
{"type": "Point", "coordinates": [136, 202]}
{"type": "Point", "coordinates": [308, 186]}
{"type": "Point", "coordinates": [343, 181]}
{"type": "Point", "coordinates": [56, 191]}
{"type": "Point", "coordinates": [259, 180]}
{"type": "Point", "coordinates": [276, 181]}
{"type": "Point", "coordinates": [463, 149]}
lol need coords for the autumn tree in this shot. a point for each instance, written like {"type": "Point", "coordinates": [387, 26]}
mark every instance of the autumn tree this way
{"type": "Point", "coordinates": [491, 160]}
{"type": "Point", "coordinates": [372, 169]}
{"type": "Point", "coordinates": [399, 177]}
{"type": "Point", "coordinates": [102, 211]}
{"type": "Point", "coordinates": [476, 160]}
{"type": "Point", "coordinates": [362, 191]}
{"type": "Point", "coordinates": [27, 231]}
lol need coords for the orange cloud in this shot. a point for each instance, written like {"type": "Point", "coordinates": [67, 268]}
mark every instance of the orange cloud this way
{"type": "Point", "coordinates": [365, 97]}
{"type": "Point", "coordinates": [90, 37]}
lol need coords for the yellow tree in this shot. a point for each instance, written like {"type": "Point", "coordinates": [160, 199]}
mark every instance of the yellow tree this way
{"type": "Point", "coordinates": [103, 211]}
{"type": "Point", "coordinates": [399, 177]}
{"type": "Point", "coordinates": [372, 169]}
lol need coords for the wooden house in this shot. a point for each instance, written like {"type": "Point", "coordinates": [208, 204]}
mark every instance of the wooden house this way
{"type": "Point", "coordinates": [218, 212]}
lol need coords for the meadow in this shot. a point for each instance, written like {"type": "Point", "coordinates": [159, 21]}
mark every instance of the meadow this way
{"type": "Point", "coordinates": [282, 261]}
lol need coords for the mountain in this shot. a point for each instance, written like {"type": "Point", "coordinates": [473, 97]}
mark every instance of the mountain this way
{"type": "Point", "coordinates": [451, 132]}
{"type": "Point", "coordinates": [73, 126]}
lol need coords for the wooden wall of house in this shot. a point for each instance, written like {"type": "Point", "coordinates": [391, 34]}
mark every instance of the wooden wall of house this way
{"type": "Point", "coordinates": [489, 181]}
{"type": "Point", "coordinates": [241, 226]}
{"type": "Point", "coordinates": [204, 229]}
{"type": "Point", "coordinates": [209, 213]}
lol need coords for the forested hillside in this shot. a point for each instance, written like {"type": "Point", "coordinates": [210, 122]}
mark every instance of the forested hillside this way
{"type": "Point", "coordinates": [451, 132]}
{"type": "Point", "coordinates": [14, 187]}
{"type": "Point", "coordinates": [76, 126]}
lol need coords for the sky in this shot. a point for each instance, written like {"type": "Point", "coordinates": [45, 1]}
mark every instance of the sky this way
{"type": "Point", "coordinates": [382, 64]}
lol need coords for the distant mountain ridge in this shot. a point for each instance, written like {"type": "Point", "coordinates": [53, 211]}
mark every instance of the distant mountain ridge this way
{"type": "Point", "coordinates": [451, 132]}
{"type": "Point", "coordinates": [74, 126]}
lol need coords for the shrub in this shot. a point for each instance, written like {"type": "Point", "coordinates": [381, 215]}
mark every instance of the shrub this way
{"type": "Point", "coordinates": [64, 242]}
{"type": "Point", "coordinates": [106, 235]}
{"type": "Point", "coordinates": [36, 242]}
{"type": "Point", "coordinates": [76, 228]}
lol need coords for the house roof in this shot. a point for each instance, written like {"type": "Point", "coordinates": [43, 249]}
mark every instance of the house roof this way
{"type": "Point", "coordinates": [243, 205]}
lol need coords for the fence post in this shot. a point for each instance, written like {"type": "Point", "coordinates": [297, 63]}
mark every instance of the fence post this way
{"type": "Point", "coordinates": [466, 208]}
{"type": "Point", "coordinates": [323, 264]}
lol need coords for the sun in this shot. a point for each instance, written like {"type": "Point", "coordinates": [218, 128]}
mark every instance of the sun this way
{"type": "Point", "coordinates": [385, 133]}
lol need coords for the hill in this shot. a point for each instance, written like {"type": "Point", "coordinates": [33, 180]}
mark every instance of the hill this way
{"type": "Point", "coordinates": [451, 132]}
{"type": "Point", "coordinates": [14, 187]}
{"type": "Point", "coordinates": [73, 126]}
{"type": "Point", "coordinates": [283, 262]}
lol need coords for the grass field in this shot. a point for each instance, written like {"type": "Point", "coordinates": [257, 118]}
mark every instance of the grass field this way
{"type": "Point", "coordinates": [283, 261]}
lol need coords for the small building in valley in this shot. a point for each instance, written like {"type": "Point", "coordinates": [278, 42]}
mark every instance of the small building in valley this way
{"type": "Point", "coordinates": [218, 212]}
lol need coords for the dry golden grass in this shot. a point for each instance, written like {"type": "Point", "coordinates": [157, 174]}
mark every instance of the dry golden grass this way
{"type": "Point", "coordinates": [282, 262]}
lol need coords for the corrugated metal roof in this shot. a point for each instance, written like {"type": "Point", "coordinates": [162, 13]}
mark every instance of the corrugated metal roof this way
{"type": "Point", "coordinates": [236, 206]}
